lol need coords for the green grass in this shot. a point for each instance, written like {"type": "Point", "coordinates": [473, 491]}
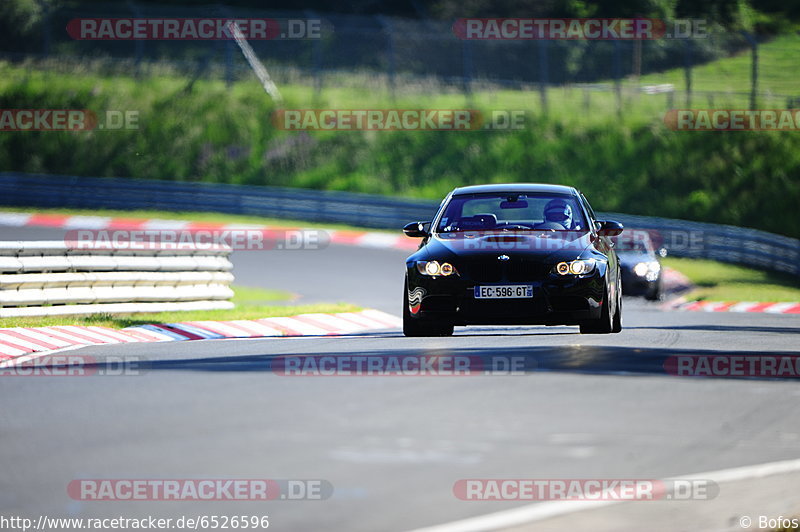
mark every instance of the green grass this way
{"type": "Point", "coordinates": [626, 163]}
{"type": "Point", "coordinates": [717, 281]}
{"type": "Point", "coordinates": [777, 61]}
{"type": "Point", "coordinates": [251, 303]}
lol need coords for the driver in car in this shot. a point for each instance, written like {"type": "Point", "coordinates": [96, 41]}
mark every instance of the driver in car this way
{"type": "Point", "coordinates": [559, 211]}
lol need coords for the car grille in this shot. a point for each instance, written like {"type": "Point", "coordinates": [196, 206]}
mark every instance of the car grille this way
{"type": "Point", "coordinates": [495, 271]}
{"type": "Point", "coordinates": [486, 271]}
{"type": "Point", "coordinates": [527, 270]}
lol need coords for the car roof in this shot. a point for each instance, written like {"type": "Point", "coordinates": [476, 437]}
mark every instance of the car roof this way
{"type": "Point", "coordinates": [515, 187]}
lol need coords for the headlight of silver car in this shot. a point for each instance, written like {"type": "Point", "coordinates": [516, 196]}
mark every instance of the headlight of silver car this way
{"type": "Point", "coordinates": [648, 270]}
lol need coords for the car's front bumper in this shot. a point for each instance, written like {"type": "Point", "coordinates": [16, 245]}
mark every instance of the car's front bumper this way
{"type": "Point", "coordinates": [556, 301]}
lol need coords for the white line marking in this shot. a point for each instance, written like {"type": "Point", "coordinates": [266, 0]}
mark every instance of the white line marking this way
{"type": "Point", "coordinates": [545, 510]}
{"type": "Point", "coordinates": [16, 219]}
{"type": "Point", "coordinates": [335, 321]}
{"type": "Point", "coordinates": [378, 240]}
{"type": "Point", "coordinates": [365, 322]}
{"type": "Point", "coordinates": [10, 351]}
{"type": "Point", "coordinates": [299, 326]}
{"type": "Point", "coordinates": [87, 222]}
{"type": "Point", "coordinates": [220, 328]}
{"type": "Point", "coordinates": [40, 336]}
{"type": "Point", "coordinates": [11, 339]}
{"type": "Point", "coordinates": [259, 328]}
{"type": "Point", "coordinates": [94, 335]}
{"type": "Point", "coordinates": [778, 308]}
{"type": "Point", "coordinates": [742, 306]}
{"type": "Point", "coordinates": [10, 363]}
{"type": "Point", "coordinates": [383, 317]}
{"type": "Point", "coordinates": [156, 224]}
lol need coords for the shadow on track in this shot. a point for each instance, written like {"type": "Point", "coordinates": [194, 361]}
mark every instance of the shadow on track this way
{"type": "Point", "coordinates": [724, 328]}
{"type": "Point", "coordinates": [505, 361]}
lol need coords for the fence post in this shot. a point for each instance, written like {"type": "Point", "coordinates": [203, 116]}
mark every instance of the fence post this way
{"type": "Point", "coordinates": [543, 72]}
{"type": "Point", "coordinates": [466, 59]}
{"type": "Point", "coordinates": [316, 57]}
{"type": "Point", "coordinates": [687, 70]}
{"type": "Point", "coordinates": [138, 43]}
{"type": "Point", "coordinates": [46, 35]}
{"type": "Point", "coordinates": [617, 67]}
{"type": "Point", "coordinates": [754, 68]}
{"type": "Point", "coordinates": [228, 50]}
{"type": "Point", "coordinates": [386, 23]}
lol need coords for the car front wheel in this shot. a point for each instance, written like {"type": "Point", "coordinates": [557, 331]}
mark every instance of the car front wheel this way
{"type": "Point", "coordinates": [606, 323]}
{"type": "Point", "coordinates": [420, 327]}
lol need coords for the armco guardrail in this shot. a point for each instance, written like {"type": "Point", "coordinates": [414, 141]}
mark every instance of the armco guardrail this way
{"type": "Point", "coordinates": [724, 243]}
{"type": "Point", "coordinates": [118, 193]}
{"type": "Point", "coordinates": [45, 278]}
{"type": "Point", "coordinates": [680, 237]}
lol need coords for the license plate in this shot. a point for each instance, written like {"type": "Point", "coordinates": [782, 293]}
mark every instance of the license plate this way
{"type": "Point", "coordinates": [505, 291]}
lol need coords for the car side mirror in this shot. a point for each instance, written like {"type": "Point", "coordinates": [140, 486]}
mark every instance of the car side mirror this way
{"type": "Point", "coordinates": [416, 229]}
{"type": "Point", "coordinates": [609, 228]}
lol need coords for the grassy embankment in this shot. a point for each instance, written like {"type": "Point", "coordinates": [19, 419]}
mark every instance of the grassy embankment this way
{"type": "Point", "coordinates": [716, 281]}
{"type": "Point", "coordinates": [629, 163]}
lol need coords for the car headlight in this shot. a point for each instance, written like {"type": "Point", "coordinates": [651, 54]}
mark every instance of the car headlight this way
{"type": "Point", "coordinates": [576, 267]}
{"type": "Point", "coordinates": [434, 268]}
{"type": "Point", "coordinates": [647, 269]}
{"type": "Point", "coordinates": [640, 269]}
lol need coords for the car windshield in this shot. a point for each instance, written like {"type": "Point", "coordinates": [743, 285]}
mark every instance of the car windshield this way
{"type": "Point", "coordinates": [512, 211]}
{"type": "Point", "coordinates": [633, 243]}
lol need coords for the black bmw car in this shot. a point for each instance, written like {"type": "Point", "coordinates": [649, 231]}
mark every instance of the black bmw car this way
{"type": "Point", "coordinates": [513, 254]}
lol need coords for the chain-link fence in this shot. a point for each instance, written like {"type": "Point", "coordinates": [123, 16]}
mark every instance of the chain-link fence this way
{"type": "Point", "coordinates": [393, 54]}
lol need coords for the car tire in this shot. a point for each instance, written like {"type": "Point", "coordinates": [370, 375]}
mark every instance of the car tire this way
{"type": "Point", "coordinates": [605, 323]}
{"type": "Point", "coordinates": [617, 325]}
{"type": "Point", "coordinates": [656, 293]}
{"type": "Point", "coordinates": [417, 327]}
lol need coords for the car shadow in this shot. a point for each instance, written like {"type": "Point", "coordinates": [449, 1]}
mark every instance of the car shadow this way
{"type": "Point", "coordinates": [724, 328]}
{"type": "Point", "coordinates": [504, 361]}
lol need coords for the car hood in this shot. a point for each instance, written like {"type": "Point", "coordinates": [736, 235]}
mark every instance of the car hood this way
{"type": "Point", "coordinates": [543, 245]}
{"type": "Point", "coordinates": [628, 259]}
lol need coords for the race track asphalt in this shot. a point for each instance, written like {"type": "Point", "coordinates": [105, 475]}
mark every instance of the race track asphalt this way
{"type": "Point", "coordinates": [582, 406]}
